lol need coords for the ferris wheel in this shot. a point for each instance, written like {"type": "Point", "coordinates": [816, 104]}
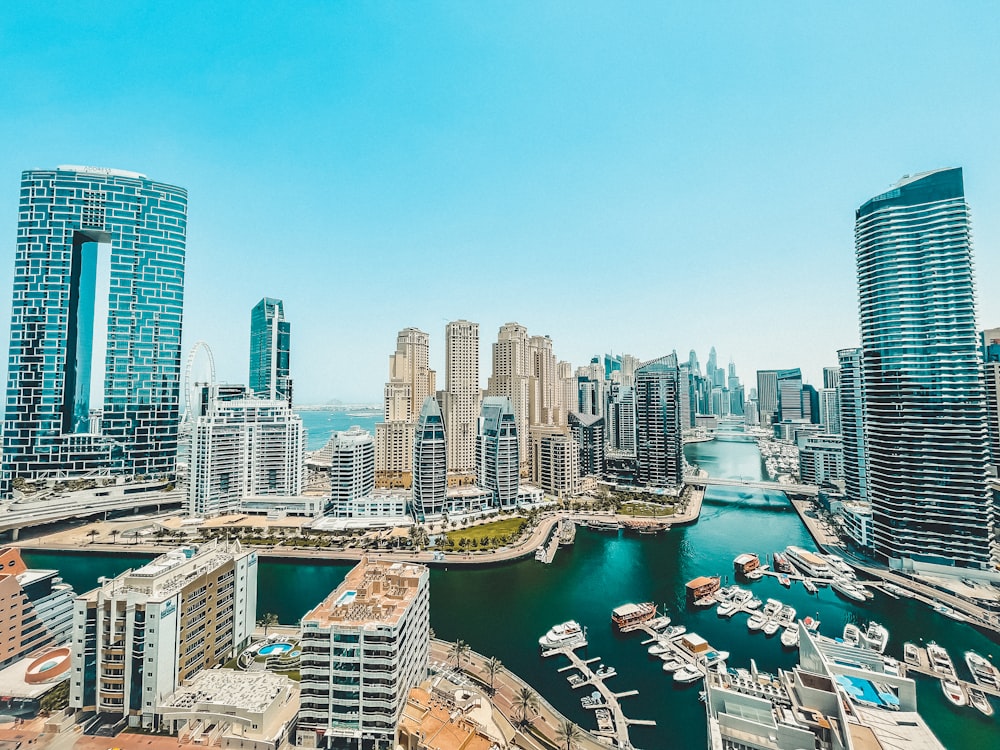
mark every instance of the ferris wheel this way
{"type": "Point", "coordinates": [190, 391]}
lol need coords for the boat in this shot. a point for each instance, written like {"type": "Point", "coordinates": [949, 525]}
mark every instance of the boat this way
{"type": "Point", "coordinates": [727, 609]}
{"type": "Point", "coordinates": [673, 665]}
{"type": "Point", "coordinates": [940, 661]}
{"type": "Point", "coordinates": [809, 562]}
{"type": "Point", "coordinates": [604, 672]}
{"type": "Point", "coordinates": [757, 621]}
{"type": "Point", "coordinates": [876, 637]}
{"type": "Point", "coordinates": [980, 702]}
{"type": "Point", "coordinates": [849, 590]}
{"type": "Point", "coordinates": [771, 627]}
{"type": "Point", "coordinates": [852, 636]}
{"type": "Point", "coordinates": [787, 615]}
{"type": "Point", "coordinates": [781, 564]}
{"type": "Point", "coordinates": [891, 666]}
{"type": "Point", "coordinates": [944, 609]}
{"type": "Point", "coordinates": [658, 623]}
{"type": "Point", "coordinates": [754, 603]}
{"type": "Point", "coordinates": [712, 658]}
{"type": "Point", "coordinates": [561, 635]}
{"type": "Point", "coordinates": [673, 631]}
{"type": "Point", "coordinates": [772, 607]}
{"type": "Point", "coordinates": [809, 586]}
{"type": "Point", "coordinates": [784, 580]}
{"type": "Point", "coordinates": [910, 653]}
{"type": "Point", "coordinates": [687, 674]}
{"type": "Point", "coordinates": [790, 636]}
{"type": "Point", "coordinates": [953, 692]}
{"type": "Point", "coordinates": [755, 575]}
{"type": "Point", "coordinates": [982, 669]}
{"type": "Point", "coordinates": [811, 623]}
{"type": "Point", "coordinates": [702, 587]}
{"type": "Point", "coordinates": [594, 700]}
{"type": "Point", "coordinates": [744, 564]}
{"type": "Point", "coordinates": [658, 648]}
{"type": "Point", "coordinates": [540, 554]}
{"type": "Point", "coordinates": [894, 590]}
{"type": "Point", "coordinates": [630, 615]}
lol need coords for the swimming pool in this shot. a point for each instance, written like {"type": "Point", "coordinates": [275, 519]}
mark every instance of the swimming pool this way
{"type": "Point", "coordinates": [865, 692]}
{"type": "Point", "coordinates": [275, 648]}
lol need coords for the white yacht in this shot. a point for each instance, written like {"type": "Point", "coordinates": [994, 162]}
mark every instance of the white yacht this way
{"type": "Point", "coordinates": [658, 648]}
{"type": "Point", "coordinates": [953, 692]}
{"type": "Point", "coordinates": [561, 635]}
{"type": "Point", "coordinates": [852, 636]}
{"type": "Point", "coordinates": [672, 665]}
{"type": "Point", "coordinates": [771, 627]}
{"type": "Point", "coordinates": [940, 660]}
{"type": "Point", "coordinates": [876, 636]}
{"type": "Point", "coordinates": [847, 588]}
{"type": "Point", "coordinates": [772, 607]}
{"type": "Point", "coordinates": [727, 609]}
{"type": "Point", "coordinates": [982, 669]}
{"type": "Point", "coordinates": [757, 621]}
{"type": "Point", "coordinates": [980, 702]}
{"type": "Point", "coordinates": [809, 562]}
{"type": "Point", "coordinates": [790, 636]}
{"type": "Point", "coordinates": [687, 674]}
{"type": "Point", "coordinates": [786, 615]}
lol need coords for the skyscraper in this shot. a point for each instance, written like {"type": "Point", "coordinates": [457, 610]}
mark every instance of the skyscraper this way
{"type": "Point", "coordinates": [352, 466]}
{"type": "Point", "coordinates": [991, 371]}
{"type": "Point", "coordinates": [430, 463]}
{"type": "Point", "coordinates": [270, 340]}
{"type": "Point", "coordinates": [497, 451]}
{"type": "Point", "coordinates": [74, 221]}
{"type": "Point", "coordinates": [658, 419]}
{"type": "Point", "coordinates": [767, 395]}
{"type": "Point", "coordinates": [790, 395]}
{"type": "Point", "coordinates": [925, 415]}
{"type": "Point", "coordinates": [462, 393]}
{"type": "Point", "coordinates": [512, 371]}
{"type": "Point", "coordinates": [852, 400]}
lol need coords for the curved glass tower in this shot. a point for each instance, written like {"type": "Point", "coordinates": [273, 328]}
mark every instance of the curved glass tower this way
{"type": "Point", "coordinates": [65, 214]}
{"type": "Point", "coordinates": [925, 416]}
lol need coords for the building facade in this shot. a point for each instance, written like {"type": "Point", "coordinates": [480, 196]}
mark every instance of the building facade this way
{"type": "Point", "coordinates": [352, 466]}
{"type": "Point", "coordinates": [559, 472]}
{"type": "Point", "coordinates": [991, 372]}
{"type": "Point", "coordinates": [511, 378]}
{"type": "Point", "coordinates": [138, 636]}
{"type": "Point", "coordinates": [588, 431]}
{"type": "Point", "coordinates": [498, 457]}
{"type": "Point", "coordinates": [72, 222]}
{"type": "Point", "coordinates": [270, 348]}
{"type": "Point", "coordinates": [924, 406]}
{"type": "Point", "coordinates": [767, 395]}
{"type": "Point", "coordinates": [430, 463]}
{"type": "Point", "coordinates": [462, 394]}
{"type": "Point", "coordinates": [658, 421]}
{"type": "Point", "coordinates": [852, 426]}
{"type": "Point", "coordinates": [410, 382]}
{"type": "Point", "coordinates": [363, 649]}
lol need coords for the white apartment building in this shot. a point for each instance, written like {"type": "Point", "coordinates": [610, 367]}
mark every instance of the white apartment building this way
{"type": "Point", "coordinates": [462, 394]}
{"type": "Point", "coordinates": [352, 465]}
{"type": "Point", "coordinates": [138, 636]}
{"type": "Point", "coordinates": [363, 649]}
{"type": "Point", "coordinates": [244, 446]}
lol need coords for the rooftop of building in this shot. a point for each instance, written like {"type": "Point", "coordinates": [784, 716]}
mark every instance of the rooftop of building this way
{"type": "Point", "coordinates": [107, 171]}
{"type": "Point", "coordinates": [433, 718]}
{"type": "Point", "coordinates": [252, 692]}
{"type": "Point", "coordinates": [374, 592]}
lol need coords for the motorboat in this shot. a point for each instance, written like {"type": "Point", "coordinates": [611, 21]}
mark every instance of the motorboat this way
{"type": "Point", "coordinates": [784, 580]}
{"type": "Point", "coordinates": [658, 648]}
{"type": "Point", "coordinates": [757, 621]}
{"type": "Point", "coordinates": [658, 623]}
{"type": "Point", "coordinates": [772, 607]}
{"type": "Point", "coordinates": [561, 635]}
{"type": "Point", "coordinates": [754, 603]}
{"type": "Point", "coordinates": [809, 586]}
{"type": "Point", "coordinates": [712, 658]}
{"type": "Point", "coordinates": [673, 631]}
{"type": "Point", "coordinates": [673, 665]}
{"type": "Point", "coordinates": [727, 609]}
{"type": "Point", "coordinates": [910, 653]}
{"type": "Point", "coordinates": [876, 636]}
{"type": "Point", "coordinates": [850, 590]}
{"type": "Point", "coordinates": [852, 636]}
{"type": "Point", "coordinates": [953, 692]}
{"type": "Point", "coordinates": [605, 672]}
{"type": "Point", "coordinates": [809, 562]}
{"type": "Point", "coordinates": [944, 609]}
{"type": "Point", "coordinates": [811, 623]}
{"type": "Point", "coordinates": [790, 636]}
{"type": "Point", "coordinates": [594, 700]}
{"type": "Point", "coordinates": [771, 627]}
{"type": "Point", "coordinates": [687, 674]}
{"type": "Point", "coordinates": [786, 615]}
{"type": "Point", "coordinates": [891, 588]}
{"type": "Point", "coordinates": [983, 671]}
{"type": "Point", "coordinates": [755, 575]}
{"type": "Point", "coordinates": [940, 661]}
{"type": "Point", "coordinates": [980, 702]}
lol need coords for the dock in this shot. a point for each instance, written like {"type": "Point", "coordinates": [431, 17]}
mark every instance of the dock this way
{"type": "Point", "coordinates": [551, 547]}
{"type": "Point", "coordinates": [922, 664]}
{"type": "Point", "coordinates": [614, 725]}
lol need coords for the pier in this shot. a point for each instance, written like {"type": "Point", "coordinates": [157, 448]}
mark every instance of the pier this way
{"type": "Point", "coordinates": [922, 664]}
{"type": "Point", "coordinates": [618, 732]}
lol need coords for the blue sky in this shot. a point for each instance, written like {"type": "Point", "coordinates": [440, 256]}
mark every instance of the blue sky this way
{"type": "Point", "coordinates": [627, 177]}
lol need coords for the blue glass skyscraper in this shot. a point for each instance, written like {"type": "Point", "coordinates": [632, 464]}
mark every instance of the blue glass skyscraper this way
{"type": "Point", "coordinates": [924, 412]}
{"type": "Point", "coordinates": [270, 341]}
{"type": "Point", "coordinates": [66, 215]}
{"type": "Point", "coordinates": [659, 448]}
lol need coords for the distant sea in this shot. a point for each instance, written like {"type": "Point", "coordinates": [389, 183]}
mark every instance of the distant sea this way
{"type": "Point", "coordinates": [321, 423]}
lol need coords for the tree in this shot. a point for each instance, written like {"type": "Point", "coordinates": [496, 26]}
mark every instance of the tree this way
{"type": "Point", "coordinates": [92, 533]}
{"type": "Point", "coordinates": [569, 735]}
{"type": "Point", "coordinates": [268, 620]}
{"type": "Point", "coordinates": [459, 649]}
{"type": "Point", "coordinates": [493, 667]}
{"type": "Point", "coordinates": [525, 703]}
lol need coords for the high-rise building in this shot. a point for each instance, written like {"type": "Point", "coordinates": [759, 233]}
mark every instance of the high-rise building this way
{"type": "Point", "coordinates": [789, 388]}
{"type": "Point", "coordinates": [363, 649]}
{"type": "Point", "coordinates": [74, 222]}
{"type": "Point", "coordinates": [462, 394]}
{"type": "Point", "coordinates": [821, 459]}
{"type": "Point", "coordinates": [767, 395]}
{"type": "Point", "coordinates": [852, 425]}
{"type": "Point", "coordinates": [588, 431]}
{"type": "Point", "coordinates": [430, 463]}
{"type": "Point", "coordinates": [243, 447]}
{"type": "Point", "coordinates": [270, 341]}
{"type": "Point", "coordinates": [497, 451]}
{"type": "Point", "coordinates": [829, 409]}
{"type": "Point", "coordinates": [991, 371]}
{"type": "Point", "coordinates": [139, 635]}
{"type": "Point", "coordinates": [410, 382]}
{"type": "Point", "coordinates": [658, 421]}
{"type": "Point", "coordinates": [543, 394]}
{"type": "Point", "coordinates": [925, 413]}
{"type": "Point", "coordinates": [623, 409]}
{"type": "Point", "coordinates": [512, 371]}
{"type": "Point", "coordinates": [831, 377]}
{"type": "Point", "coordinates": [352, 467]}
{"type": "Point", "coordinates": [809, 398]}
{"type": "Point", "coordinates": [559, 473]}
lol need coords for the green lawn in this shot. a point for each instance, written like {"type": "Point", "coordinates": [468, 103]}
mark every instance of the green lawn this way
{"type": "Point", "coordinates": [646, 509]}
{"type": "Point", "coordinates": [503, 527]}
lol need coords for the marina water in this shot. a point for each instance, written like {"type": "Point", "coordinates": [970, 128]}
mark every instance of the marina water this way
{"type": "Point", "coordinates": [502, 611]}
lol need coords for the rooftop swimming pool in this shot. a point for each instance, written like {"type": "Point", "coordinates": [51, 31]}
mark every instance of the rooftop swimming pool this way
{"type": "Point", "coordinates": [275, 648]}
{"type": "Point", "coordinates": [864, 691]}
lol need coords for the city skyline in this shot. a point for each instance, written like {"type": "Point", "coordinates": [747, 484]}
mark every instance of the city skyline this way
{"type": "Point", "coordinates": [717, 154]}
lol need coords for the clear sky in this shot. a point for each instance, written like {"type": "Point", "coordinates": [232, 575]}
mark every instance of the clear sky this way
{"type": "Point", "coordinates": [626, 177]}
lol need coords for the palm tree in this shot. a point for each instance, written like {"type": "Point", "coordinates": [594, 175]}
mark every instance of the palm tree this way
{"type": "Point", "coordinates": [92, 533]}
{"type": "Point", "coordinates": [569, 735]}
{"type": "Point", "coordinates": [269, 620]}
{"type": "Point", "coordinates": [458, 650]}
{"type": "Point", "coordinates": [493, 667]}
{"type": "Point", "coordinates": [525, 702]}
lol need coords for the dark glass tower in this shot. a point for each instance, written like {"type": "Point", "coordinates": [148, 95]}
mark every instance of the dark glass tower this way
{"type": "Point", "coordinates": [658, 422]}
{"type": "Point", "coordinates": [430, 462]}
{"type": "Point", "coordinates": [66, 216]}
{"type": "Point", "coordinates": [270, 338]}
{"type": "Point", "coordinates": [925, 417]}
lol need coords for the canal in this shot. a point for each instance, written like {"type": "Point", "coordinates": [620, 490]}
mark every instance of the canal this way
{"type": "Point", "coordinates": [502, 611]}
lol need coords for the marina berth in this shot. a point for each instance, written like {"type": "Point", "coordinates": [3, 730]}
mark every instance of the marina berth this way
{"type": "Point", "coordinates": [561, 635]}
{"type": "Point", "coordinates": [809, 563]}
{"type": "Point", "coordinates": [849, 590]}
